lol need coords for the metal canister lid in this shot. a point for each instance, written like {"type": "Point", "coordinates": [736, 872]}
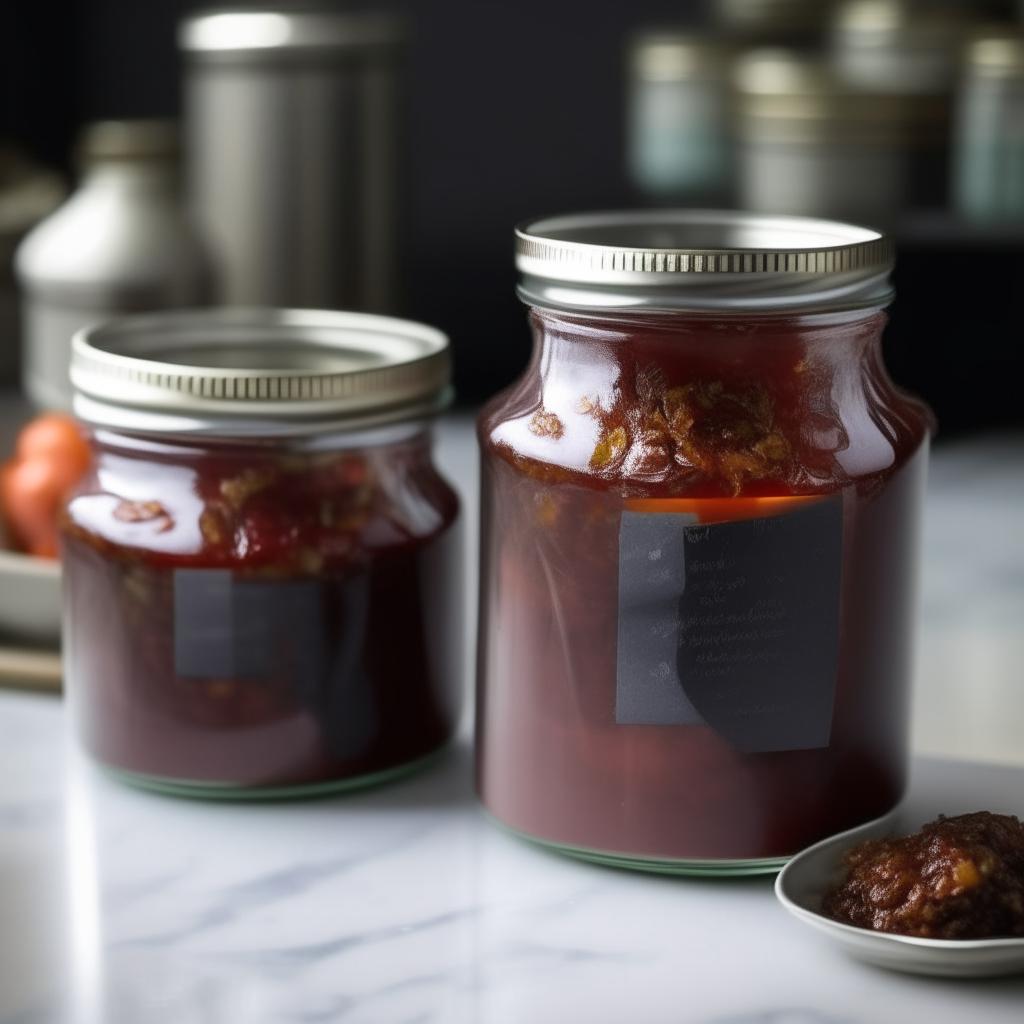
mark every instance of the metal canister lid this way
{"type": "Point", "coordinates": [673, 56]}
{"type": "Point", "coordinates": [786, 97]}
{"type": "Point", "coordinates": [260, 33]}
{"type": "Point", "coordinates": [258, 371]}
{"type": "Point", "coordinates": [701, 259]}
{"type": "Point", "coordinates": [997, 57]}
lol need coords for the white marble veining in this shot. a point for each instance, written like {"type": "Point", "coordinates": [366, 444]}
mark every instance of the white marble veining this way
{"type": "Point", "coordinates": [405, 904]}
{"type": "Point", "coordinates": [969, 695]}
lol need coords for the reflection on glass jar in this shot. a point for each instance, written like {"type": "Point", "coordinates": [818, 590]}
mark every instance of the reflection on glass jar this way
{"type": "Point", "coordinates": [700, 517]}
{"type": "Point", "coordinates": [261, 586]}
{"type": "Point", "coordinates": [679, 117]}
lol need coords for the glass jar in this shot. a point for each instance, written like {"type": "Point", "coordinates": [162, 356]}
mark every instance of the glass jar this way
{"type": "Point", "coordinates": [261, 570]}
{"type": "Point", "coordinates": [701, 507]}
{"type": "Point", "coordinates": [679, 117]}
{"type": "Point", "coordinates": [989, 151]}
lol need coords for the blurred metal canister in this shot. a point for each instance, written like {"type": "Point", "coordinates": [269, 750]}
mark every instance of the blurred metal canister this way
{"type": "Point", "coordinates": [777, 22]}
{"type": "Point", "coordinates": [902, 48]}
{"type": "Point", "coordinates": [989, 152]}
{"type": "Point", "coordinates": [122, 243]}
{"type": "Point", "coordinates": [28, 193]}
{"type": "Point", "coordinates": [292, 130]}
{"type": "Point", "coordinates": [679, 117]}
{"type": "Point", "coordinates": [892, 46]}
{"type": "Point", "coordinates": [808, 145]}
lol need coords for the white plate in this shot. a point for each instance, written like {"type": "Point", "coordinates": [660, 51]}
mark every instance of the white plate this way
{"type": "Point", "coordinates": [802, 883]}
{"type": "Point", "coordinates": [30, 597]}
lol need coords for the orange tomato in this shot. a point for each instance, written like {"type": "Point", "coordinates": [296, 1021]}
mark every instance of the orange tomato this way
{"type": "Point", "coordinates": [51, 456]}
{"type": "Point", "coordinates": [56, 438]}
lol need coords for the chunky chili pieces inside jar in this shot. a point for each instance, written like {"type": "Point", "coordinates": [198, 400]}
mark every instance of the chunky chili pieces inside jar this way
{"type": "Point", "coordinates": [958, 878]}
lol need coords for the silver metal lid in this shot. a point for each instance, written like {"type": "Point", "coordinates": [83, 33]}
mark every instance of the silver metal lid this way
{"type": "Point", "coordinates": [788, 97]}
{"type": "Point", "coordinates": [260, 33]}
{"type": "Point", "coordinates": [701, 259]}
{"type": "Point", "coordinates": [674, 56]}
{"type": "Point", "coordinates": [258, 372]}
{"type": "Point", "coordinates": [996, 57]}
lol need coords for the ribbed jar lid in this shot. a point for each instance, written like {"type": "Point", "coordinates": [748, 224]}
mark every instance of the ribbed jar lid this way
{"type": "Point", "coordinates": [258, 371]}
{"type": "Point", "coordinates": [269, 32]}
{"type": "Point", "coordinates": [701, 259]}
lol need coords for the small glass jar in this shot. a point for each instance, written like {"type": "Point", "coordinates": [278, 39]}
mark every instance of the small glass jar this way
{"type": "Point", "coordinates": [261, 570]}
{"type": "Point", "coordinates": [679, 117]}
{"type": "Point", "coordinates": [701, 507]}
{"type": "Point", "coordinates": [989, 151]}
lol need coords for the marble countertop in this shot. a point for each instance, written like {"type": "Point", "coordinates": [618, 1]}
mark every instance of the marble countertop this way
{"type": "Point", "coordinates": [405, 904]}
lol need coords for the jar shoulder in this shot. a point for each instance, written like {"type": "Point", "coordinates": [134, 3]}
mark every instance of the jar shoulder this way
{"type": "Point", "coordinates": [294, 513]}
{"type": "Point", "coordinates": [640, 433]}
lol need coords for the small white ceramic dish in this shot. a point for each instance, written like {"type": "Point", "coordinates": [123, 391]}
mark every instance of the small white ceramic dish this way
{"type": "Point", "coordinates": [802, 883]}
{"type": "Point", "coordinates": [30, 597]}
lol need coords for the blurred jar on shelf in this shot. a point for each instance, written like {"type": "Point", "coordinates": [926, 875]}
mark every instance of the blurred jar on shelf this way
{"type": "Point", "coordinates": [121, 243]}
{"type": "Point", "coordinates": [812, 146]}
{"type": "Point", "coordinates": [772, 21]}
{"type": "Point", "coordinates": [989, 133]}
{"type": "Point", "coordinates": [679, 117]}
{"type": "Point", "coordinates": [899, 48]}
{"type": "Point", "coordinates": [28, 193]}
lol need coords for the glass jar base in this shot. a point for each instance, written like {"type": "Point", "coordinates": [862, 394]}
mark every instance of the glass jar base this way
{"type": "Point", "coordinates": [658, 865]}
{"type": "Point", "coordinates": [197, 790]}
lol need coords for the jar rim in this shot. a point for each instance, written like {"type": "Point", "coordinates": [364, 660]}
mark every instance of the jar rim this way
{"type": "Point", "coordinates": [252, 372]}
{"type": "Point", "coordinates": [701, 259]}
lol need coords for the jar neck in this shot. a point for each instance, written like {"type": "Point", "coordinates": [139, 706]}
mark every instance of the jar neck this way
{"type": "Point", "coordinates": [412, 435]}
{"type": "Point", "coordinates": [797, 402]}
{"type": "Point", "coordinates": [725, 340]}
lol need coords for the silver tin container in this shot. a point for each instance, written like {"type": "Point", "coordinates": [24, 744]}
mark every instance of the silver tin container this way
{"type": "Point", "coordinates": [292, 132]}
{"type": "Point", "coordinates": [121, 244]}
{"type": "Point", "coordinates": [811, 145]}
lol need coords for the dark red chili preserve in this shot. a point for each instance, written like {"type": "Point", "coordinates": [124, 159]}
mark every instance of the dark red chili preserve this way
{"type": "Point", "coordinates": [700, 525]}
{"type": "Point", "coordinates": [262, 568]}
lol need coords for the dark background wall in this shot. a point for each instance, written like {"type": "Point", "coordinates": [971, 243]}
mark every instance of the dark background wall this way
{"type": "Point", "coordinates": [515, 111]}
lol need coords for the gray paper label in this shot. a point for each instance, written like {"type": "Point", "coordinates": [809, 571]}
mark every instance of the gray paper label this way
{"type": "Point", "coordinates": [230, 628]}
{"type": "Point", "coordinates": [733, 625]}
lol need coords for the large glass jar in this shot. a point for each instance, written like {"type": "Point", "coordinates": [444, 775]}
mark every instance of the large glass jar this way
{"type": "Point", "coordinates": [261, 570]}
{"type": "Point", "coordinates": [700, 526]}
